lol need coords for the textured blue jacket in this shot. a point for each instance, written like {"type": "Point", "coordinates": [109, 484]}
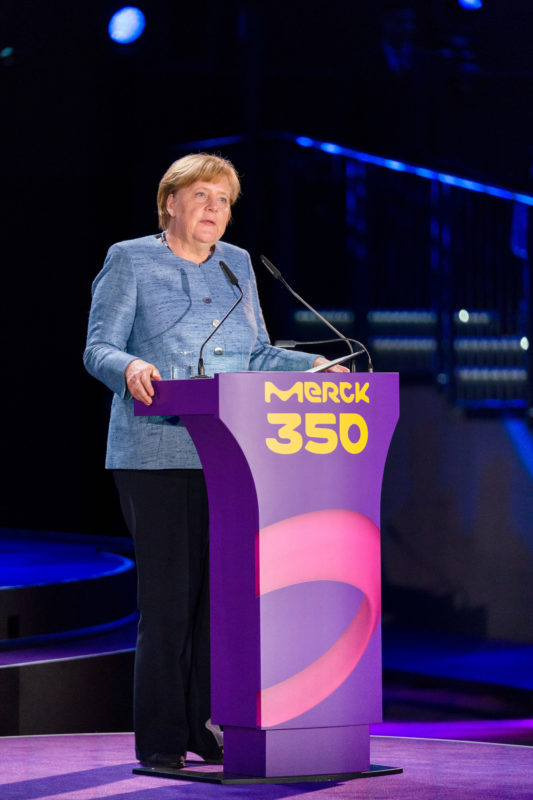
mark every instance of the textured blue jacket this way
{"type": "Point", "coordinates": [148, 303]}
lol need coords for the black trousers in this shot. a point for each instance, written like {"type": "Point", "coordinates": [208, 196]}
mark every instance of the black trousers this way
{"type": "Point", "coordinates": [166, 512]}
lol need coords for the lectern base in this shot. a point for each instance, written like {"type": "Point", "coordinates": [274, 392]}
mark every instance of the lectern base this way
{"type": "Point", "coordinates": [260, 753]}
{"type": "Point", "coordinates": [220, 777]}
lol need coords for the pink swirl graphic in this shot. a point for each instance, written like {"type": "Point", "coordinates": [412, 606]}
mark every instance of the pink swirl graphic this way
{"type": "Point", "coordinates": [332, 545]}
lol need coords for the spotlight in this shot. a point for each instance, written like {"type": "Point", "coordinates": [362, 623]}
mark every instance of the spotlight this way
{"type": "Point", "coordinates": [126, 25]}
{"type": "Point", "coordinates": [471, 5]}
{"type": "Point", "coordinates": [329, 147]}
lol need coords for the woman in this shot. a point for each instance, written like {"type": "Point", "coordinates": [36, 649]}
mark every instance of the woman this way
{"type": "Point", "coordinates": [155, 296]}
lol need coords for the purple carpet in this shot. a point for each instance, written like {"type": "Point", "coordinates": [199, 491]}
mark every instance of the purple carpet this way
{"type": "Point", "coordinates": [91, 766]}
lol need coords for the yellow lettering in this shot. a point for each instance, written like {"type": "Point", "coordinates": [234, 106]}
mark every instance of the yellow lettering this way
{"type": "Point", "coordinates": [323, 392]}
{"type": "Point", "coordinates": [347, 421]}
{"type": "Point", "coordinates": [330, 391]}
{"type": "Point", "coordinates": [289, 423]}
{"type": "Point", "coordinates": [313, 431]}
{"type": "Point", "coordinates": [344, 387]}
{"type": "Point", "coordinates": [312, 392]}
{"type": "Point", "coordinates": [360, 394]}
{"type": "Point", "coordinates": [283, 394]}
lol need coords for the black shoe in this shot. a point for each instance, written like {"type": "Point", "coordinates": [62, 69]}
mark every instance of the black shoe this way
{"type": "Point", "coordinates": [167, 760]}
{"type": "Point", "coordinates": [208, 743]}
{"type": "Point", "coordinates": [211, 757]}
{"type": "Point", "coordinates": [211, 753]}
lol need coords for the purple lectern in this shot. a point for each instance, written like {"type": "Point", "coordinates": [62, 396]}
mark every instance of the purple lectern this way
{"type": "Point", "coordinates": [293, 464]}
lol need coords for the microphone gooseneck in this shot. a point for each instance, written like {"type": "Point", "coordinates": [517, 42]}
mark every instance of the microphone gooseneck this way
{"type": "Point", "coordinates": [233, 280]}
{"type": "Point", "coordinates": [274, 271]}
{"type": "Point", "coordinates": [290, 344]}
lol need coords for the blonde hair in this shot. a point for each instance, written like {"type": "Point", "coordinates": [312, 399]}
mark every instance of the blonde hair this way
{"type": "Point", "coordinates": [189, 169]}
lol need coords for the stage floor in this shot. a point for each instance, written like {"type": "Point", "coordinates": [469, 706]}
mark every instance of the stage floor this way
{"type": "Point", "coordinates": [92, 766]}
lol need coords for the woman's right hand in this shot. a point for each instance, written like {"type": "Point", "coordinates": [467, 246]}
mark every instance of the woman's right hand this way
{"type": "Point", "coordinates": [139, 375]}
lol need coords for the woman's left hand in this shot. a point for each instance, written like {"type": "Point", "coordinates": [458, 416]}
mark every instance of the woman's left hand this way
{"type": "Point", "coordinates": [337, 368]}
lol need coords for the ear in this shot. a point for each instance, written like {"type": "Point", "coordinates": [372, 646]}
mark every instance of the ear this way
{"type": "Point", "coordinates": [170, 204]}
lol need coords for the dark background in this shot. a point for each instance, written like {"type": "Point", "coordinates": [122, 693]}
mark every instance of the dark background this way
{"type": "Point", "coordinates": [89, 126]}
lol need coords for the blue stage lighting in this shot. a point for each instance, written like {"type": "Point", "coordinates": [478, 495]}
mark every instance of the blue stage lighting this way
{"type": "Point", "coordinates": [329, 147]}
{"type": "Point", "coordinates": [126, 25]}
{"type": "Point", "coordinates": [397, 166]}
{"type": "Point", "coordinates": [471, 5]}
{"type": "Point", "coordinates": [423, 172]}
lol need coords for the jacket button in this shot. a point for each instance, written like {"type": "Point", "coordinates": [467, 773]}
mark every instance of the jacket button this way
{"type": "Point", "coordinates": [216, 322]}
{"type": "Point", "coordinates": [206, 300]}
{"type": "Point", "coordinates": [218, 351]}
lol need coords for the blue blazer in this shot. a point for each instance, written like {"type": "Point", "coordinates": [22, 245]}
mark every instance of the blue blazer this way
{"type": "Point", "coordinates": [148, 303]}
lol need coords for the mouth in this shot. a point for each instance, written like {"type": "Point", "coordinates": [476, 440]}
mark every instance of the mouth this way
{"type": "Point", "coordinates": [208, 222]}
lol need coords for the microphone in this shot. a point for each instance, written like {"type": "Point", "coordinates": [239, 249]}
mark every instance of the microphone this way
{"type": "Point", "coordinates": [233, 280]}
{"type": "Point", "coordinates": [274, 271]}
{"type": "Point", "coordinates": [290, 344]}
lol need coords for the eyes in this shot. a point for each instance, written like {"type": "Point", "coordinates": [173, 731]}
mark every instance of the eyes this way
{"type": "Point", "coordinates": [221, 200]}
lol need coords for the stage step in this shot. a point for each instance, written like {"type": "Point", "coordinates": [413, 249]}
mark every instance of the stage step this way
{"type": "Point", "coordinates": [78, 685]}
{"type": "Point", "coordinates": [53, 583]}
{"type": "Point", "coordinates": [68, 623]}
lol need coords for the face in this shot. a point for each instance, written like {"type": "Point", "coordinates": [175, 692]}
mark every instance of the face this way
{"type": "Point", "coordinates": [199, 213]}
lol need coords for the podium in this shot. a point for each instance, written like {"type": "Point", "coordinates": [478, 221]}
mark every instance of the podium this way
{"type": "Point", "coordinates": [293, 464]}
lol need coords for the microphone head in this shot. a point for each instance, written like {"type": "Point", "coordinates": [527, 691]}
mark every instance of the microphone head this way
{"type": "Point", "coordinates": [270, 267]}
{"type": "Point", "coordinates": [229, 274]}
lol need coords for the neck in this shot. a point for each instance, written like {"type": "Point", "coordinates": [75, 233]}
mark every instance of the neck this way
{"type": "Point", "coordinates": [190, 251]}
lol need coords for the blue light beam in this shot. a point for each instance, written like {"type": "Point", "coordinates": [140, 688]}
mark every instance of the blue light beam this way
{"type": "Point", "coordinates": [126, 25]}
{"type": "Point", "coordinates": [471, 5]}
{"type": "Point", "coordinates": [412, 169]}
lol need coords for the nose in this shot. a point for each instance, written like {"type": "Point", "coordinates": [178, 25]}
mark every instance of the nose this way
{"type": "Point", "coordinates": [214, 203]}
